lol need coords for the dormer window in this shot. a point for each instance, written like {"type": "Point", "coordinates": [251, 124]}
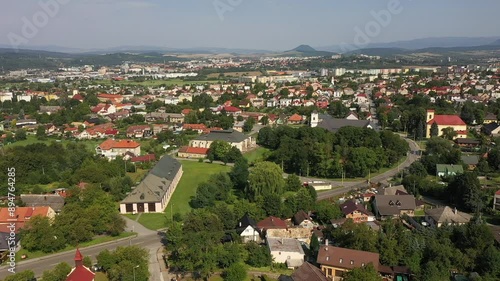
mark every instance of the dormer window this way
{"type": "Point", "coordinates": [340, 261]}
{"type": "Point", "coordinates": [391, 203]}
{"type": "Point", "coordinates": [352, 262]}
{"type": "Point", "coordinates": [398, 203]}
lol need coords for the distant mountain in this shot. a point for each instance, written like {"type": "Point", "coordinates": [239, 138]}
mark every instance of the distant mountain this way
{"type": "Point", "coordinates": [422, 43]}
{"type": "Point", "coordinates": [305, 51]}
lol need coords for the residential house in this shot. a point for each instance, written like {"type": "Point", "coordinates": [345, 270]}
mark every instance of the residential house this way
{"type": "Point", "coordinates": [286, 250]}
{"type": "Point", "coordinates": [234, 138]}
{"type": "Point", "coordinates": [468, 143]}
{"type": "Point", "coordinates": [139, 131]}
{"type": "Point", "coordinates": [231, 110]}
{"type": "Point", "coordinates": [104, 109]}
{"type": "Point", "coordinates": [490, 118]}
{"type": "Point", "coordinates": [54, 201]}
{"type": "Point", "coordinates": [258, 102]}
{"type": "Point", "coordinates": [238, 126]}
{"type": "Point", "coordinates": [247, 229]}
{"type": "Point", "coordinates": [356, 212]}
{"type": "Point", "coordinates": [271, 223]}
{"type": "Point", "coordinates": [155, 190]}
{"type": "Point", "coordinates": [306, 272]}
{"type": "Point", "coordinates": [295, 119]}
{"type": "Point", "coordinates": [303, 219]}
{"type": "Point", "coordinates": [112, 148]}
{"type": "Point", "coordinates": [192, 152]}
{"type": "Point", "coordinates": [23, 214]}
{"type": "Point", "coordinates": [445, 170]}
{"type": "Point", "coordinates": [333, 124]}
{"type": "Point", "coordinates": [80, 272]}
{"type": "Point", "coordinates": [445, 121]}
{"type": "Point", "coordinates": [335, 261]}
{"type": "Point", "coordinates": [5, 234]}
{"type": "Point", "coordinates": [392, 190]}
{"type": "Point", "coordinates": [49, 109]}
{"type": "Point", "coordinates": [491, 129]}
{"type": "Point", "coordinates": [166, 117]}
{"type": "Point", "coordinates": [496, 201]}
{"type": "Point", "coordinates": [446, 215]}
{"type": "Point", "coordinates": [110, 97]}
{"type": "Point", "coordinates": [200, 128]}
{"type": "Point", "coordinates": [393, 206]}
{"type": "Point", "coordinates": [470, 160]}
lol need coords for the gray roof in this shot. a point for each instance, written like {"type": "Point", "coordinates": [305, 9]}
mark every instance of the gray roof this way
{"type": "Point", "coordinates": [389, 205]}
{"type": "Point", "coordinates": [449, 169]}
{"type": "Point", "coordinates": [230, 136]}
{"type": "Point", "coordinates": [333, 124]}
{"type": "Point", "coordinates": [154, 186]}
{"type": "Point", "coordinates": [308, 272]}
{"type": "Point", "coordinates": [55, 201]}
{"type": "Point", "coordinates": [392, 190]}
{"type": "Point", "coordinates": [470, 159]}
{"type": "Point", "coordinates": [448, 215]}
{"type": "Point", "coordinates": [285, 245]}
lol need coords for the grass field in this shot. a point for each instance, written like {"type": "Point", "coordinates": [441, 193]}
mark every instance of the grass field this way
{"type": "Point", "coordinates": [153, 221]}
{"type": "Point", "coordinates": [194, 174]}
{"type": "Point", "coordinates": [98, 240]}
{"type": "Point", "coordinates": [256, 154]}
{"type": "Point", "coordinates": [99, 276]}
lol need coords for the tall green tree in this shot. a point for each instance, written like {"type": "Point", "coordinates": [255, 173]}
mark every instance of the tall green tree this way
{"type": "Point", "coordinates": [434, 130]}
{"type": "Point", "coordinates": [265, 178]}
{"type": "Point", "coordinates": [366, 273]}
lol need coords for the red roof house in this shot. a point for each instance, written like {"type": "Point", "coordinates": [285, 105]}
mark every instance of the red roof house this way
{"type": "Point", "coordinates": [272, 223]}
{"type": "Point", "coordinates": [80, 272]}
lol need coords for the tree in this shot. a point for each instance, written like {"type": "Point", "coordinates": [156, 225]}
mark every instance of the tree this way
{"type": "Point", "coordinates": [39, 235]}
{"type": "Point", "coordinates": [126, 262]}
{"type": "Point", "coordinates": [264, 179]}
{"type": "Point", "coordinates": [449, 133]}
{"type": "Point", "coordinates": [248, 125]}
{"type": "Point", "coordinates": [326, 211]}
{"type": "Point", "coordinates": [40, 132]}
{"type": "Point", "coordinates": [20, 135]}
{"type": "Point", "coordinates": [258, 256]}
{"type": "Point", "coordinates": [239, 174]}
{"type": "Point", "coordinates": [434, 130]}
{"type": "Point", "coordinates": [292, 183]}
{"type": "Point", "coordinates": [218, 151]}
{"type": "Point", "coordinates": [366, 273]}
{"type": "Point", "coordinates": [264, 120]}
{"type": "Point", "coordinates": [26, 275]}
{"type": "Point", "coordinates": [59, 273]}
{"type": "Point", "coordinates": [235, 272]}
{"type": "Point", "coordinates": [465, 191]}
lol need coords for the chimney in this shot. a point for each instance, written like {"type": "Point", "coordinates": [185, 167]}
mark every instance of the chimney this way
{"type": "Point", "coordinates": [455, 210]}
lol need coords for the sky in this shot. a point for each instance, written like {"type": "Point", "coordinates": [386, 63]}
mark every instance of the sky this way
{"type": "Point", "coordinates": [248, 24]}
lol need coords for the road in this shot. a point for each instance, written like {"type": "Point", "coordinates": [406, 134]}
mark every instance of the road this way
{"type": "Point", "coordinates": [148, 239]}
{"type": "Point", "coordinates": [348, 186]}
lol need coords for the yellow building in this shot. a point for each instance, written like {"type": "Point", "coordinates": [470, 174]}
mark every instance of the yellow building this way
{"type": "Point", "coordinates": [445, 121]}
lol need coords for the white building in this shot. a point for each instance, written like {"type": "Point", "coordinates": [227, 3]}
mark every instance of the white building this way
{"type": "Point", "coordinates": [286, 250]}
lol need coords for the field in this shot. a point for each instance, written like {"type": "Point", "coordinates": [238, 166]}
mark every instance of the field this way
{"type": "Point", "coordinates": [31, 139]}
{"type": "Point", "coordinates": [154, 83]}
{"type": "Point", "coordinates": [256, 155]}
{"type": "Point", "coordinates": [153, 221]}
{"type": "Point", "coordinates": [194, 174]}
{"type": "Point", "coordinates": [235, 74]}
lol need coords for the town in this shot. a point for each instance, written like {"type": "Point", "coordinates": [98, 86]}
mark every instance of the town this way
{"type": "Point", "coordinates": [302, 175]}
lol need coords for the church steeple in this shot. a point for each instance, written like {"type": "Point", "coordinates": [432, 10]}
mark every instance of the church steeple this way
{"type": "Point", "coordinates": [78, 258]}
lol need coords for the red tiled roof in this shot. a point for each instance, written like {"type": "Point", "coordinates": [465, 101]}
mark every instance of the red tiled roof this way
{"type": "Point", "coordinates": [23, 214]}
{"type": "Point", "coordinates": [110, 144]}
{"type": "Point", "coordinates": [272, 223]}
{"type": "Point", "coordinates": [194, 127]}
{"type": "Point", "coordinates": [295, 118]}
{"type": "Point", "coordinates": [231, 109]}
{"type": "Point", "coordinates": [346, 258]}
{"type": "Point", "coordinates": [451, 120]}
{"type": "Point", "coordinates": [143, 158]}
{"type": "Point", "coordinates": [194, 150]}
{"type": "Point", "coordinates": [497, 193]}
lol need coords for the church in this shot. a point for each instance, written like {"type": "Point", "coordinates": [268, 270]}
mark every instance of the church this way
{"type": "Point", "coordinates": [445, 121]}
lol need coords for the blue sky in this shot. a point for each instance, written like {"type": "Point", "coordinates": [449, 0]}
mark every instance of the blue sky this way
{"type": "Point", "coordinates": [253, 24]}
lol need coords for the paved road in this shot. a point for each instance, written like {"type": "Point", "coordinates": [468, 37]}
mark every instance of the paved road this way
{"type": "Point", "coordinates": [348, 186]}
{"type": "Point", "coordinates": [145, 238]}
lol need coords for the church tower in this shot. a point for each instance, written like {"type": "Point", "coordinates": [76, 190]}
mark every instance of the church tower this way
{"type": "Point", "coordinates": [314, 119]}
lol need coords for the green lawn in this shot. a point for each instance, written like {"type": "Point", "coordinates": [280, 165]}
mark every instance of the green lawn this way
{"type": "Point", "coordinates": [256, 155]}
{"type": "Point", "coordinates": [194, 174]}
{"type": "Point", "coordinates": [99, 276]}
{"type": "Point", "coordinates": [154, 83]}
{"type": "Point", "coordinates": [98, 240]}
{"type": "Point", "coordinates": [153, 221]}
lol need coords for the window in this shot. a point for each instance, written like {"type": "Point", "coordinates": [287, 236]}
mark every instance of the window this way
{"type": "Point", "coordinates": [340, 261]}
{"type": "Point", "coordinates": [352, 262]}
